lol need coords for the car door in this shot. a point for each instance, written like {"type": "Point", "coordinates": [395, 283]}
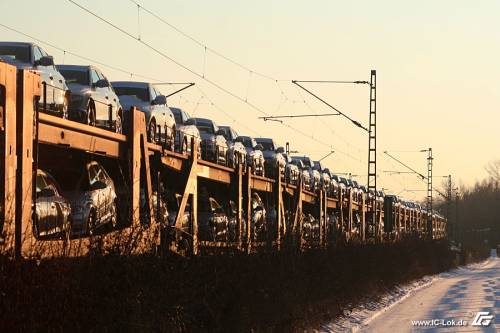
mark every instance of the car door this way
{"type": "Point", "coordinates": [155, 109]}
{"type": "Point", "coordinates": [58, 82]}
{"type": "Point", "coordinates": [111, 99]}
{"type": "Point", "coordinates": [95, 193]}
{"type": "Point", "coordinates": [97, 95]}
{"type": "Point", "coordinates": [46, 77]}
{"type": "Point", "coordinates": [41, 206]}
{"type": "Point", "coordinates": [56, 209]}
{"type": "Point", "coordinates": [106, 195]}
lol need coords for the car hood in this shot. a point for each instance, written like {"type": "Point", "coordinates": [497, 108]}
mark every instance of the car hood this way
{"type": "Point", "coordinates": [129, 101]}
{"type": "Point", "coordinates": [79, 89]}
{"type": "Point", "coordinates": [269, 154]}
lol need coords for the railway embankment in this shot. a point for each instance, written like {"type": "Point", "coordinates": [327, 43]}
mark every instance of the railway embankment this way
{"type": "Point", "coordinates": [268, 292]}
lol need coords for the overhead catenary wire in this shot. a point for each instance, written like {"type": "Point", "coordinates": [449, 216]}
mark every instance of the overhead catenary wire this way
{"type": "Point", "coordinates": [201, 44]}
{"type": "Point", "coordinates": [178, 63]}
{"type": "Point", "coordinates": [132, 74]}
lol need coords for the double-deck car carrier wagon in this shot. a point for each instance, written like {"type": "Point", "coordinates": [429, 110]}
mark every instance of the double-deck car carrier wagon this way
{"type": "Point", "coordinates": [143, 171]}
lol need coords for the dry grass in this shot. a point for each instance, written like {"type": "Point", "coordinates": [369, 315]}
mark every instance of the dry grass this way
{"type": "Point", "coordinates": [279, 292]}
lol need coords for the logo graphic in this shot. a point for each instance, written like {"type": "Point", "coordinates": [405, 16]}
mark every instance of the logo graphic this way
{"type": "Point", "coordinates": [483, 318]}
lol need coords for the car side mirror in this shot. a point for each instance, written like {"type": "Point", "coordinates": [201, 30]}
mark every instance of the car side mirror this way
{"type": "Point", "coordinates": [47, 193]}
{"type": "Point", "coordinates": [45, 61]}
{"type": "Point", "coordinates": [258, 147]}
{"type": "Point", "coordinates": [103, 83]}
{"type": "Point", "coordinates": [159, 100]}
{"type": "Point", "coordinates": [98, 185]}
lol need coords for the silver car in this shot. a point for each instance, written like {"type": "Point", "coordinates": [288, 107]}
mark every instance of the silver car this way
{"type": "Point", "coordinates": [185, 132]}
{"type": "Point", "coordinates": [33, 57]}
{"type": "Point", "coordinates": [93, 100]}
{"type": "Point", "coordinates": [255, 157]}
{"type": "Point", "coordinates": [236, 152]}
{"type": "Point", "coordinates": [51, 216]}
{"type": "Point", "coordinates": [213, 144]}
{"type": "Point", "coordinates": [160, 121]}
{"type": "Point", "coordinates": [92, 195]}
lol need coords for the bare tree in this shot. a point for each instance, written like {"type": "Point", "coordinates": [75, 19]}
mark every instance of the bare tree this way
{"type": "Point", "coordinates": [493, 169]}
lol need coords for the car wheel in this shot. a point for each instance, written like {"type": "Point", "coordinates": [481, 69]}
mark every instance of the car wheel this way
{"type": "Point", "coordinates": [152, 131]}
{"type": "Point", "coordinates": [90, 115]}
{"type": "Point", "coordinates": [118, 124]}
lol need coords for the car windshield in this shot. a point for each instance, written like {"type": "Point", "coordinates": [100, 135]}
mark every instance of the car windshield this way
{"type": "Point", "coordinates": [177, 116]}
{"type": "Point", "coordinates": [16, 53]}
{"type": "Point", "coordinates": [75, 76]}
{"type": "Point", "coordinates": [141, 94]}
{"type": "Point", "coordinates": [267, 145]}
{"type": "Point", "coordinates": [205, 128]}
{"type": "Point", "coordinates": [226, 131]}
{"type": "Point", "coordinates": [247, 142]}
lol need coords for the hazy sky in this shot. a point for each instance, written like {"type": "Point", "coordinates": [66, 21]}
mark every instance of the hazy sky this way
{"type": "Point", "coordinates": [437, 66]}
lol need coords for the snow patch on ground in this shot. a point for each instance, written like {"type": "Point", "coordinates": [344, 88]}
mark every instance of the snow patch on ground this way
{"type": "Point", "coordinates": [361, 315]}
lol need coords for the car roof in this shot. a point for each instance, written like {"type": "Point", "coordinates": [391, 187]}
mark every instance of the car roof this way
{"type": "Point", "coordinates": [264, 139]}
{"type": "Point", "coordinates": [75, 67]}
{"type": "Point", "coordinates": [17, 43]}
{"type": "Point", "coordinates": [131, 84]}
{"type": "Point", "coordinates": [202, 119]}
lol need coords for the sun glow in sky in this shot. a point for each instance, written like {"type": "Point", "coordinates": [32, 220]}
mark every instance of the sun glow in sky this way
{"type": "Point", "coordinates": [436, 61]}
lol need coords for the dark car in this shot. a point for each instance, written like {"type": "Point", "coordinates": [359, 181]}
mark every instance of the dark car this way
{"type": "Point", "coordinates": [213, 143]}
{"type": "Point", "coordinates": [273, 157]}
{"type": "Point", "coordinates": [93, 100]}
{"type": "Point", "coordinates": [325, 179]}
{"type": "Point", "coordinates": [212, 220]}
{"type": "Point", "coordinates": [305, 174]}
{"type": "Point", "coordinates": [33, 57]}
{"type": "Point", "coordinates": [255, 157]}
{"type": "Point", "coordinates": [292, 172]}
{"type": "Point", "coordinates": [334, 185]}
{"type": "Point", "coordinates": [160, 122]}
{"type": "Point", "coordinates": [308, 165]}
{"type": "Point", "coordinates": [236, 152]}
{"type": "Point", "coordinates": [52, 213]}
{"type": "Point", "coordinates": [185, 133]}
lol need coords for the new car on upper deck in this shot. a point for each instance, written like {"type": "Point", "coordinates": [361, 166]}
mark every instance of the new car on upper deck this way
{"type": "Point", "coordinates": [213, 143]}
{"type": "Point", "coordinates": [255, 157]}
{"type": "Point", "coordinates": [236, 153]}
{"type": "Point", "coordinates": [93, 100]}
{"type": "Point", "coordinates": [33, 57]}
{"type": "Point", "coordinates": [160, 122]}
{"type": "Point", "coordinates": [185, 133]}
{"type": "Point", "coordinates": [308, 165]}
{"type": "Point", "coordinates": [273, 156]}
